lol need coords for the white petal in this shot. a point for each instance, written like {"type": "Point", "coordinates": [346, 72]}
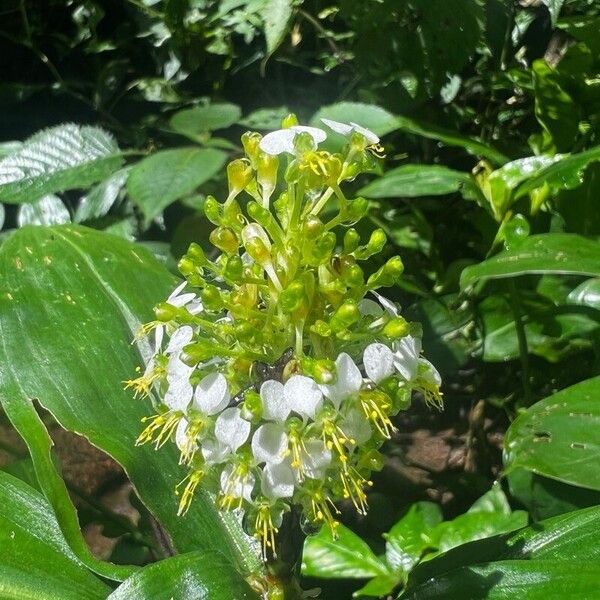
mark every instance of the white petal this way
{"type": "Point", "coordinates": [177, 369]}
{"type": "Point", "coordinates": [213, 452]}
{"type": "Point", "coordinates": [349, 380]}
{"type": "Point", "coordinates": [282, 140]}
{"type": "Point", "coordinates": [159, 333]}
{"type": "Point", "coordinates": [212, 394]}
{"type": "Point", "coordinates": [179, 394]}
{"type": "Point", "coordinates": [180, 434]}
{"type": "Point", "coordinates": [431, 374]}
{"type": "Point", "coordinates": [356, 427]}
{"type": "Point", "coordinates": [269, 443]}
{"type": "Point", "coordinates": [231, 429]}
{"type": "Point", "coordinates": [389, 306]}
{"type": "Point", "coordinates": [378, 360]}
{"type": "Point", "coordinates": [181, 337]}
{"type": "Point", "coordinates": [371, 137]}
{"type": "Point", "coordinates": [338, 127]}
{"type": "Point", "coordinates": [195, 307]}
{"type": "Point", "coordinates": [277, 481]}
{"type": "Point", "coordinates": [275, 406]}
{"type": "Point", "coordinates": [237, 487]}
{"type": "Point", "coordinates": [176, 291]}
{"type": "Point", "coordinates": [303, 395]}
{"type": "Point", "coordinates": [316, 459]}
{"type": "Point", "coordinates": [369, 308]}
{"type": "Point", "coordinates": [406, 357]}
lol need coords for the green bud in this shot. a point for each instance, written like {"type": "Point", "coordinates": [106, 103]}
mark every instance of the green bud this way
{"type": "Point", "coordinates": [396, 328]}
{"type": "Point", "coordinates": [211, 297]}
{"type": "Point", "coordinates": [250, 142]}
{"type": "Point", "coordinates": [266, 172]}
{"type": "Point", "coordinates": [351, 240]}
{"type": "Point", "coordinates": [186, 266]}
{"type": "Point", "coordinates": [402, 399]}
{"type": "Point", "coordinates": [321, 328]}
{"type": "Point", "coordinates": [252, 407]}
{"type": "Point", "coordinates": [303, 142]}
{"type": "Point", "coordinates": [197, 352]}
{"type": "Point", "coordinates": [387, 275]}
{"type": "Point", "coordinates": [345, 316]}
{"type": "Point", "coordinates": [289, 121]}
{"type": "Point", "coordinates": [165, 312]}
{"type": "Point", "coordinates": [244, 331]}
{"type": "Point", "coordinates": [212, 210]}
{"type": "Point", "coordinates": [196, 253]}
{"type": "Point", "coordinates": [322, 370]}
{"type": "Point", "coordinates": [224, 239]}
{"type": "Point", "coordinates": [261, 215]}
{"type": "Point", "coordinates": [234, 268]}
{"type": "Point", "coordinates": [356, 210]}
{"type": "Point", "coordinates": [353, 276]}
{"type": "Point", "coordinates": [293, 297]}
{"type": "Point", "coordinates": [313, 227]}
{"type": "Point", "coordinates": [323, 248]}
{"type": "Point", "coordinates": [239, 175]}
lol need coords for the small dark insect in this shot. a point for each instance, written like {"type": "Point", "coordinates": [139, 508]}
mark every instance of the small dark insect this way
{"type": "Point", "coordinates": [262, 372]}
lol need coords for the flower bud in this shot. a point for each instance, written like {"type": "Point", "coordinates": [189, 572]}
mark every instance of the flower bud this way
{"type": "Point", "coordinates": [396, 328]}
{"type": "Point", "coordinates": [353, 276]}
{"type": "Point", "coordinates": [224, 239]}
{"type": "Point", "coordinates": [250, 142]}
{"type": "Point", "coordinates": [313, 227]}
{"type": "Point", "coordinates": [239, 175]}
{"type": "Point", "coordinates": [289, 121]}
{"type": "Point", "coordinates": [244, 331]}
{"type": "Point", "coordinates": [196, 253]}
{"type": "Point", "coordinates": [345, 316]}
{"type": "Point", "coordinates": [252, 408]}
{"type": "Point", "coordinates": [197, 352]}
{"type": "Point", "coordinates": [375, 245]}
{"type": "Point", "coordinates": [322, 249]}
{"type": "Point", "coordinates": [261, 215]}
{"type": "Point", "coordinates": [212, 210]}
{"type": "Point", "coordinates": [257, 243]}
{"type": "Point", "coordinates": [266, 172]}
{"type": "Point", "coordinates": [351, 240]}
{"type": "Point", "coordinates": [387, 275]}
{"type": "Point", "coordinates": [321, 328]}
{"type": "Point", "coordinates": [186, 266]}
{"type": "Point", "coordinates": [211, 297]}
{"type": "Point", "coordinates": [356, 210]}
{"type": "Point", "coordinates": [293, 297]}
{"type": "Point", "coordinates": [165, 312]}
{"type": "Point", "coordinates": [234, 268]}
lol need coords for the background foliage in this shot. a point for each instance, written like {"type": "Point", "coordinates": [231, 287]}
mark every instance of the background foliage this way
{"type": "Point", "coordinates": [117, 119]}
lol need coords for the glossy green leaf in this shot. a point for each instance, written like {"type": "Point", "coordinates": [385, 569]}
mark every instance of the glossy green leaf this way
{"type": "Point", "coordinates": [509, 579]}
{"type": "Point", "coordinates": [276, 16]}
{"type": "Point", "coordinates": [562, 253]}
{"type": "Point", "coordinates": [571, 538]}
{"type": "Point", "coordinates": [57, 159]}
{"type": "Point", "coordinates": [193, 576]}
{"type": "Point", "coordinates": [36, 562]}
{"type": "Point", "coordinates": [200, 119]}
{"type": "Point", "coordinates": [81, 316]}
{"type": "Point", "coordinates": [586, 293]}
{"type": "Point", "coordinates": [408, 539]}
{"type": "Point", "coordinates": [99, 200]}
{"type": "Point", "coordinates": [161, 179]}
{"type": "Point", "coordinates": [566, 173]}
{"type": "Point", "coordinates": [379, 586]}
{"type": "Point", "coordinates": [559, 436]}
{"type": "Point", "coordinates": [345, 555]}
{"type": "Point", "coordinates": [375, 118]}
{"type": "Point", "coordinates": [411, 181]}
{"type": "Point", "coordinates": [48, 210]}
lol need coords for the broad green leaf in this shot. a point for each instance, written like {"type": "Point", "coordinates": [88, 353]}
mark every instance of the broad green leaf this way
{"type": "Point", "coordinates": [509, 579]}
{"type": "Point", "coordinates": [48, 210]}
{"type": "Point", "coordinates": [200, 119]}
{"type": "Point", "coordinates": [379, 586]}
{"type": "Point", "coordinates": [411, 181]}
{"type": "Point", "coordinates": [191, 576]}
{"type": "Point", "coordinates": [81, 316]}
{"type": "Point", "coordinates": [586, 293]}
{"type": "Point", "coordinates": [99, 200]}
{"type": "Point", "coordinates": [408, 539]}
{"type": "Point", "coordinates": [562, 253]}
{"type": "Point", "coordinates": [276, 16]}
{"type": "Point", "coordinates": [36, 562]}
{"type": "Point", "coordinates": [265, 118]}
{"type": "Point", "coordinates": [566, 173]}
{"type": "Point", "coordinates": [375, 118]}
{"type": "Point", "coordinates": [345, 555]}
{"type": "Point", "coordinates": [57, 159]}
{"type": "Point", "coordinates": [559, 437]}
{"type": "Point", "coordinates": [571, 537]}
{"type": "Point", "coordinates": [161, 179]}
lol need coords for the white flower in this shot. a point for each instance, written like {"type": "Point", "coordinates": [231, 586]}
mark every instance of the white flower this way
{"type": "Point", "coordinates": [356, 427]}
{"type": "Point", "coordinates": [236, 486]}
{"type": "Point", "coordinates": [282, 140]}
{"type": "Point", "coordinates": [316, 460]}
{"type": "Point", "coordinates": [275, 405]}
{"type": "Point", "coordinates": [177, 369]}
{"type": "Point", "coordinates": [179, 394]}
{"type": "Point", "coordinates": [181, 438]}
{"type": "Point", "coordinates": [181, 337]}
{"type": "Point", "coordinates": [378, 361]}
{"type": "Point", "coordinates": [179, 300]}
{"type": "Point", "coordinates": [347, 129]}
{"type": "Point", "coordinates": [231, 429]}
{"type": "Point", "coordinates": [214, 452]}
{"type": "Point", "coordinates": [406, 356]}
{"type": "Point", "coordinates": [269, 444]}
{"type": "Point", "coordinates": [277, 481]}
{"type": "Point", "coordinates": [389, 306]}
{"type": "Point", "coordinates": [348, 383]}
{"type": "Point", "coordinates": [303, 395]}
{"type": "Point", "coordinates": [369, 308]}
{"type": "Point", "coordinates": [212, 394]}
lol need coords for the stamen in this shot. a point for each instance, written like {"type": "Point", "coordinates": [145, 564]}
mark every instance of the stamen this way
{"type": "Point", "coordinates": [193, 479]}
{"type": "Point", "coordinates": [165, 424]}
{"type": "Point", "coordinates": [352, 484]}
{"type": "Point", "coordinates": [265, 530]}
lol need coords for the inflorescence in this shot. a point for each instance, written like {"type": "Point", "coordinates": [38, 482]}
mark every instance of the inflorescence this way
{"type": "Point", "coordinates": [278, 365]}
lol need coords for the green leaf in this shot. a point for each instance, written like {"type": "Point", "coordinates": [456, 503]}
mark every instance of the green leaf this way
{"type": "Point", "coordinates": [161, 179]}
{"type": "Point", "coordinates": [48, 210]}
{"type": "Point", "coordinates": [265, 118]}
{"type": "Point", "coordinates": [509, 579]}
{"type": "Point", "coordinates": [559, 437]}
{"type": "Point", "coordinates": [345, 555]}
{"type": "Point", "coordinates": [562, 253]}
{"type": "Point", "coordinates": [276, 16]}
{"type": "Point", "coordinates": [411, 181]}
{"type": "Point", "coordinates": [379, 586]}
{"type": "Point", "coordinates": [81, 315]}
{"type": "Point", "coordinates": [410, 537]}
{"type": "Point", "coordinates": [195, 575]}
{"type": "Point", "coordinates": [554, 7]}
{"type": "Point", "coordinates": [99, 200]}
{"type": "Point", "coordinates": [36, 561]}
{"type": "Point", "coordinates": [586, 294]}
{"type": "Point", "coordinates": [58, 159]}
{"type": "Point", "coordinates": [200, 119]}
{"type": "Point", "coordinates": [570, 538]}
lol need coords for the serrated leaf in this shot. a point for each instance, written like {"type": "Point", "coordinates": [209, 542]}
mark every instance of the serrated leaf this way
{"type": "Point", "coordinates": [36, 561]}
{"type": "Point", "coordinates": [159, 180]}
{"type": "Point", "coordinates": [276, 17]}
{"type": "Point", "coordinates": [48, 210]}
{"type": "Point", "coordinates": [200, 119]}
{"type": "Point", "coordinates": [57, 159]}
{"type": "Point", "coordinates": [559, 437]}
{"type": "Point", "coordinates": [191, 576]}
{"type": "Point", "coordinates": [99, 200]}
{"type": "Point", "coordinates": [83, 295]}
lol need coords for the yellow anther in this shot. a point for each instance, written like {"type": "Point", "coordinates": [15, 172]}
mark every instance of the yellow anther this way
{"type": "Point", "coordinates": [193, 479]}
{"type": "Point", "coordinates": [265, 530]}
{"type": "Point", "coordinates": [164, 425]}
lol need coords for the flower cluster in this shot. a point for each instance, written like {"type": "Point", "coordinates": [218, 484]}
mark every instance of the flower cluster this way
{"type": "Point", "coordinates": [278, 376]}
